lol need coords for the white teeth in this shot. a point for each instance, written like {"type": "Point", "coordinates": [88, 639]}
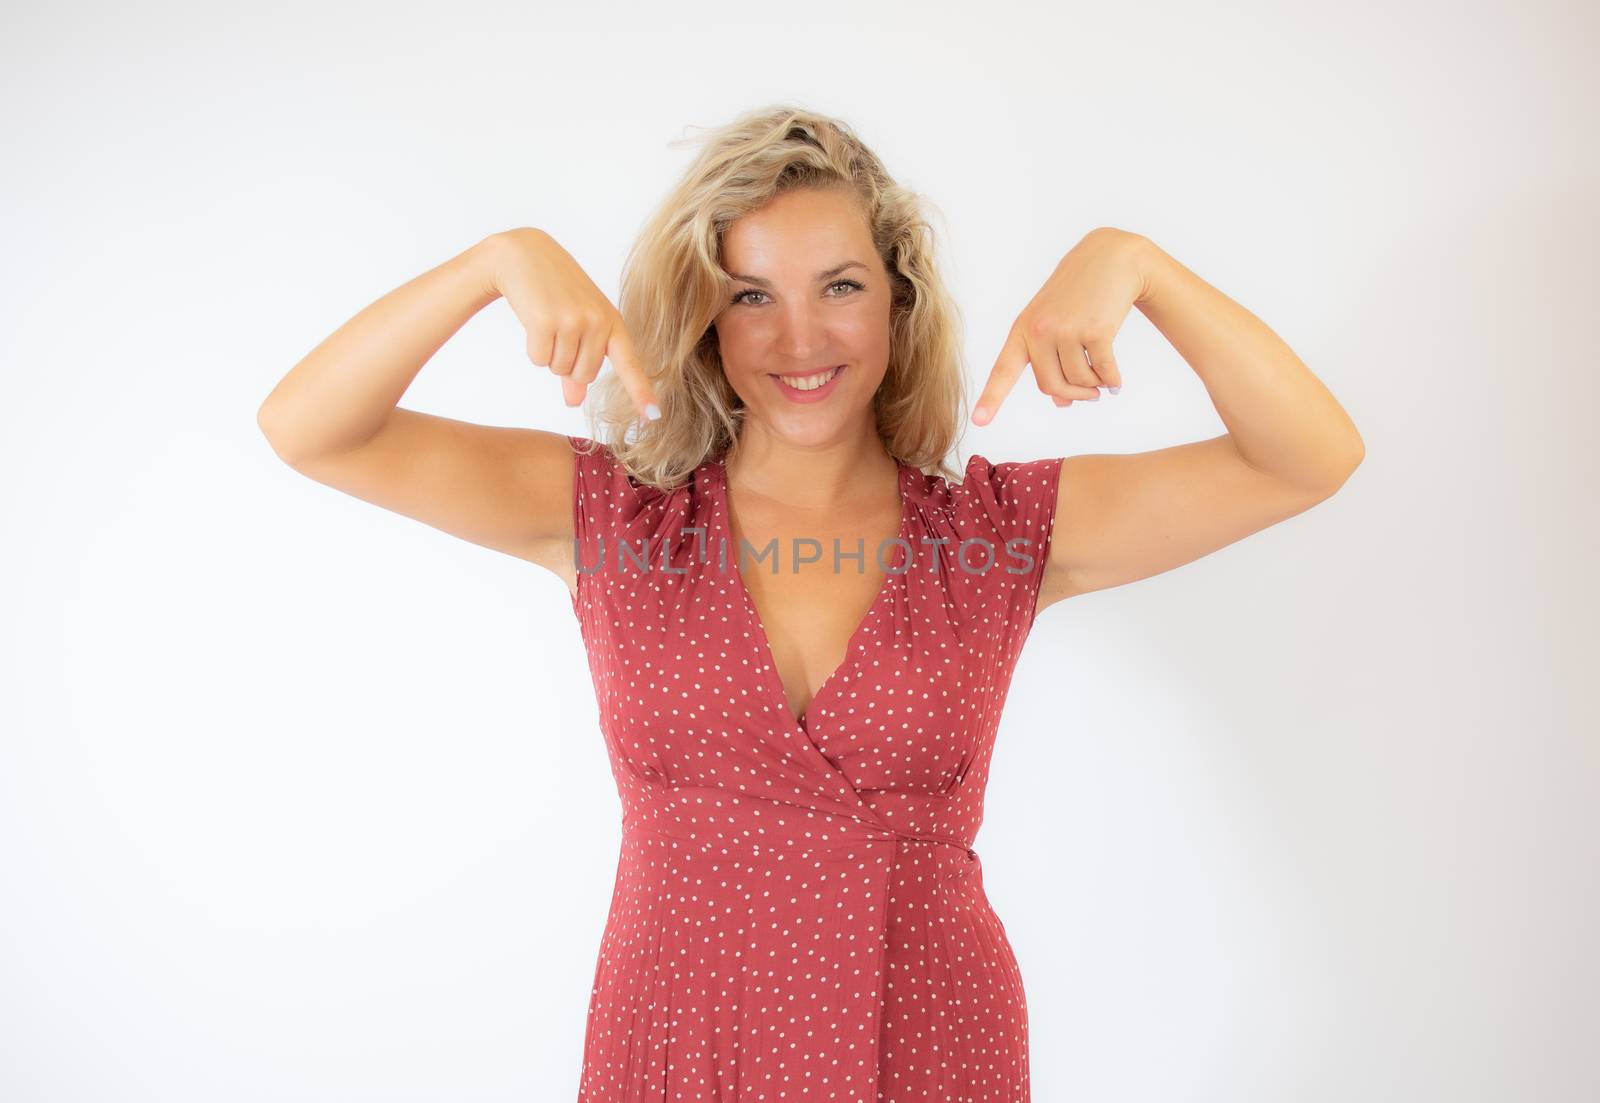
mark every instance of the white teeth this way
{"type": "Point", "coordinates": [807, 382]}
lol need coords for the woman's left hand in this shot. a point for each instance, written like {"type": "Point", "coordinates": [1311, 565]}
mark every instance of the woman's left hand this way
{"type": "Point", "coordinates": [1066, 331]}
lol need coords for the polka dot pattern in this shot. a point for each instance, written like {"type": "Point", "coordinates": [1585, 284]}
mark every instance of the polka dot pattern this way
{"type": "Point", "coordinates": [799, 912]}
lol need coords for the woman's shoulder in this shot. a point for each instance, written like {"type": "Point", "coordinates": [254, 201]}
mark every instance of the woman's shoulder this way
{"type": "Point", "coordinates": [998, 491]}
{"type": "Point", "coordinates": [603, 482]}
{"type": "Point", "coordinates": [598, 462]}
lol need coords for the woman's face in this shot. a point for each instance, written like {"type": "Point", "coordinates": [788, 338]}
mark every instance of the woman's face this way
{"type": "Point", "coordinates": [810, 305]}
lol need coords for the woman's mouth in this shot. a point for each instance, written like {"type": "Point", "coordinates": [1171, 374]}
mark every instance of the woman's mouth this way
{"type": "Point", "coordinates": [808, 388]}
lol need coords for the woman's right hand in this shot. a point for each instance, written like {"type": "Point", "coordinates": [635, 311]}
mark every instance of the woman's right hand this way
{"type": "Point", "coordinates": [571, 325]}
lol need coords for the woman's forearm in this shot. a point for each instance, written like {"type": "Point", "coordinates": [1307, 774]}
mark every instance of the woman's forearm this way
{"type": "Point", "coordinates": [1280, 416]}
{"type": "Point", "coordinates": [344, 391]}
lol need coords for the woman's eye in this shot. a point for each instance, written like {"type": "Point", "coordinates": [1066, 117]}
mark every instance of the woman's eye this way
{"type": "Point", "coordinates": [852, 284]}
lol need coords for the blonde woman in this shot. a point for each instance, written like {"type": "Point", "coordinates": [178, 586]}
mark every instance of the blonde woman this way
{"type": "Point", "coordinates": [800, 623]}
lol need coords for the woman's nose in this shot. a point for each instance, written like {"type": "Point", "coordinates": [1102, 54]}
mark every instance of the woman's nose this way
{"type": "Point", "coordinates": [802, 330]}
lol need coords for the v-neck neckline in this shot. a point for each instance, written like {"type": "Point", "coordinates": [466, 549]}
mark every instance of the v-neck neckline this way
{"type": "Point", "coordinates": [758, 630]}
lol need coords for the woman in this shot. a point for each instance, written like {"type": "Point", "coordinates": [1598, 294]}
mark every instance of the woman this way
{"type": "Point", "coordinates": [801, 743]}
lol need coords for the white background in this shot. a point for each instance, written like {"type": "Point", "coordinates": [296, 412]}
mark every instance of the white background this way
{"type": "Point", "coordinates": [302, 800]}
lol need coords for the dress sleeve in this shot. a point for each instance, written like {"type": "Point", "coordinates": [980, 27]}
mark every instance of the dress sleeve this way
{"type": "Point", "coordinates": [603, 499]}
{"type": "Point", "coordinates": [1017, 500]}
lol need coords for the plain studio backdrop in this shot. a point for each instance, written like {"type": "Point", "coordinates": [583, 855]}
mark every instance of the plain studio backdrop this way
{"type": "Point", "coordinates": [303, 800]}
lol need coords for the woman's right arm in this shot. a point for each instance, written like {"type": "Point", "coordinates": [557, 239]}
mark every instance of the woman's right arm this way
{"type": "Point", "coordinates": [334, 418]}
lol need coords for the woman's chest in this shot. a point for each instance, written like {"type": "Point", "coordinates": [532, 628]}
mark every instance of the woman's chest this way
{"type": "Point", "coordinates": [692, 689]}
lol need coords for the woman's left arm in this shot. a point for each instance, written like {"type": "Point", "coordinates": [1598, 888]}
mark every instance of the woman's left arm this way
{"type": "Point", "coordinates": [1121, 518]}
{"type": "Point", "coordinates": [1280, 417]}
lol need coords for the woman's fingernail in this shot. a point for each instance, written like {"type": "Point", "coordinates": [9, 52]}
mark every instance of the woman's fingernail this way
{"type": "Point", "coordinates": [1114, 390]}
{"type": "Point", "coordinates": [981, 414]}
{"type": "Point", "coordinates": [652, 411]}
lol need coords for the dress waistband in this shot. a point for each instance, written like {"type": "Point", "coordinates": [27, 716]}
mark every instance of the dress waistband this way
{"type": "Point", "coordinates": [709, 816]}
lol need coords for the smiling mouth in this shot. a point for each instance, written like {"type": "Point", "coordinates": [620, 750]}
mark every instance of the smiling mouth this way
{"type": "Point", "coordinates": [808, 382]}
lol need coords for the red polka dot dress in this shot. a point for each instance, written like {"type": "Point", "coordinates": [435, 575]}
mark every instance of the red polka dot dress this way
{"type": "Point", "coordinates": [799, 913]}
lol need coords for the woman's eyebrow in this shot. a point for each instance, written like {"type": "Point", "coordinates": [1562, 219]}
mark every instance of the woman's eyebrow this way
{"type": "Point", "coordinates": [829, 274]}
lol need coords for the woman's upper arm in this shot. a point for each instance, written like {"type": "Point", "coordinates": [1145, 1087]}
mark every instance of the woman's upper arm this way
{"type": "Point", "coordinates": [509, 489]}
{"type": "Point", "coordinates": [1127, 517]}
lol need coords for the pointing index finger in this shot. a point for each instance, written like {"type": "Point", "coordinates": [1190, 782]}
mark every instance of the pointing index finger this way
{"type": "Point", "coordinates": [619, 350]}
{"type": "Point", "coordinates": [1007, 370]}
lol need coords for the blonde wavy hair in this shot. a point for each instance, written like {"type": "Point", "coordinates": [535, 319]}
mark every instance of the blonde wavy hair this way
{"type": "Point", "coordinates": [674, 286]}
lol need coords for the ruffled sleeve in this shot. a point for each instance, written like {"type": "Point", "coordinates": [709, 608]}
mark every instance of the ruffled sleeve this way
{"type": "Point", "coordinates": [624, 530]}
{"type": "Point", "coordinates": [605, 499]}
{"type": "Point", "coordinates": [601, 492]}
{"type": "Point", "coordinates": [1016, 502]}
